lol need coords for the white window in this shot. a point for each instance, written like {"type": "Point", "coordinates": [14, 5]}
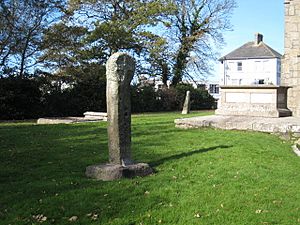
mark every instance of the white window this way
{"type": "Point", "coordinates": [239, 66]}
{"type": "Point", "coordinates": [214, 89]}
{"type": "Point", "coordinates": [265, 66]}
{"type": "Point", "coordinates": [236, 81]}
{"type": "Point", "coordinates": [230, 66]}
{"type": "Point", "coordinates": [261, 81]}
{"type": "Point", "coordinates": [258, 66]}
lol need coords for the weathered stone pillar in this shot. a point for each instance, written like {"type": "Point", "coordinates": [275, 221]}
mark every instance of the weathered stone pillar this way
{"type": "Point", "coordinates": [187, 104]}
{"type": "Point", "coordinates": [291, 62]}
{"type": "Point", "coordinates": [119, 72]}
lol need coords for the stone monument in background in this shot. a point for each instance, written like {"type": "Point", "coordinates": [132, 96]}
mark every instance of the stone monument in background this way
{"type": "Point", "coordinates": [291, 62]}
{"type": "Point", "coordinates": [119, 73]}
{"type": "Point", "coordinates": [187, 103]}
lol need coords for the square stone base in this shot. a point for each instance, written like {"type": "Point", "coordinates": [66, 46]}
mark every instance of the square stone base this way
{"type": "Point", "coordinates": [107, 172]}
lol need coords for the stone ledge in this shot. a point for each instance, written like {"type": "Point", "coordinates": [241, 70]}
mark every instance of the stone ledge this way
{"type": "Point", "coordinates": [107, 172]}
{"type": "Point", "coordinates": [262, 124]}
{"type": "Point", "coordinates": [66, 120]}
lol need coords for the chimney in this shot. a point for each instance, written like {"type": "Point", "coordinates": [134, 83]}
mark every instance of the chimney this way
{"type": "Point", "coordinates": [258, 38]}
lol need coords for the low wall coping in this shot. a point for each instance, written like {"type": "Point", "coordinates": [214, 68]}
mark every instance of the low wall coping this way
{"type": "Point", "coordinates": [258, 86]}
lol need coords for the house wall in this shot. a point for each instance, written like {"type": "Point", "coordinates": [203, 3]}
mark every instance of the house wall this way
{"type": "Point", "coordinates": [250, 71]}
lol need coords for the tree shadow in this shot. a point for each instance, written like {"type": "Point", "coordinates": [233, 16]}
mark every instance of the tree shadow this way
{"type": "Point", "coordinates": [185, 154]}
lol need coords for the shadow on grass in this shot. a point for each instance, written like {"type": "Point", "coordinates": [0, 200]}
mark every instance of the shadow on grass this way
{"type": "Point", "coordinates": [185, 154]}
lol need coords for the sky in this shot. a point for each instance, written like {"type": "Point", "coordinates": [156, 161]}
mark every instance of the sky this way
{"type": "Point", "coordinates": [250, 17]}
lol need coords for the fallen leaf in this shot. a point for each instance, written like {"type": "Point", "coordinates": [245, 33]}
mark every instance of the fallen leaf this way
{"type": "Point", "coordinates": [197, 215]}
{"type": "Point", "coordinates": [39, 218]}
{"type": "Point", "coordinates": [94, 217]}
{"type": "Point", "coordinates": [73, 218]}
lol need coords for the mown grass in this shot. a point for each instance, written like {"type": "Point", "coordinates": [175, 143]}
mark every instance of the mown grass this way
{"type": "Point", "coordinates": [203, 176]}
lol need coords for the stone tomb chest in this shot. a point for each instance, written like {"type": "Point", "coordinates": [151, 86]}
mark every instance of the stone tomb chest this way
{"type": "Point", "coordinates": [254, 100]}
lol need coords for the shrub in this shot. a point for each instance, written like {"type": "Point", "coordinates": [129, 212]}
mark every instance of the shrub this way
{"type": "Point", "coordinates": [46, 95]}
{"type": "Point", "coordinates": [84, 92]}
{"type": "Point", "coordinates": [19, 98]}
{"type": "Point", "coordinates": [168, 99]}
{"type": "Point", "coordinates": [144, 99]}
{"type": "Point", "coordinates": [200, 98]}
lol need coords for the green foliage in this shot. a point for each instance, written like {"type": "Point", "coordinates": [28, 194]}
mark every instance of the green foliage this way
{"type": "Point", "coordinates": [146, 99]}
{"type": "Point", "coordinates": [62, 46]}
{"type": "Point", "coordinates": [53, 95]}
{"type": "Point", "coordinates": [22, 24]}
{"type": "Point", "coordinates": [119, 25]}
{"type": "Point", "coordinates": [47, 95]}
{"type": "Point", "coordinates": [203, 176]}
{"type": "Point", "coordinates": [200, 99]}
{"type": "Point", "coordinates": [159, 57]}
{"type": "Point", "coordinates": [19, 98]}
{"type": "Point", "coordinates": [197, 27]}
{"type": "Point", "coordinates": [85, 91]}
{"type": "Point", "coordinates": [167, 37]}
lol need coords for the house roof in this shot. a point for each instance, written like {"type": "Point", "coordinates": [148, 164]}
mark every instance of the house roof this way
{"type": "Point", "coordinates": [251, 50]}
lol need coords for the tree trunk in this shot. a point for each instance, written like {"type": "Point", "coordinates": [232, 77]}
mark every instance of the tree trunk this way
{"type": "Point", "coordinates": [23, 56]}
{"type": "Point", "coordinates": [180, 65]}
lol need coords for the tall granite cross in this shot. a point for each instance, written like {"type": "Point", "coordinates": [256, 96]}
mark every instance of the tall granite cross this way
{"type": "Point", "coordinates": [119, 72]}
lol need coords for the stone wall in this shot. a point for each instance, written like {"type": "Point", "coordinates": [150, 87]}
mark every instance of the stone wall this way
{"type": "Point", "coordinates": [291, 61]}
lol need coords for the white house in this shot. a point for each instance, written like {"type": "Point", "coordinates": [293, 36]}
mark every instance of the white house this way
{"type": "Point", "coordinates": [253, 63]}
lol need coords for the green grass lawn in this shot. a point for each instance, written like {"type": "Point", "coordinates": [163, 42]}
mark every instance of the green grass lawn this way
{"type": "Point", "coordinates": [203, 176]}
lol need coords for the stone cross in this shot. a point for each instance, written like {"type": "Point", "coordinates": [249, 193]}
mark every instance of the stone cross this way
{"type": "Point", "coordinates": [187, 104]}
{"type": "Point", "coordinates": [119, 73]}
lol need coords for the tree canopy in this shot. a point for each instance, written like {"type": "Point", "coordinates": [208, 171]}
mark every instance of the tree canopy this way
{"type": "Point", "coordinates": [22, 24]}
{"type": "Point", "coordinates": [172, 39]}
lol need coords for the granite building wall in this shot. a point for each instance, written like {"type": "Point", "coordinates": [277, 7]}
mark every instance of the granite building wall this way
{"type": "Point", "coordinates": [291, 61]}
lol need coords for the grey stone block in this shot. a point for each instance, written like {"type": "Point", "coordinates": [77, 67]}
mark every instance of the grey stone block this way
{"type": "Point", "coordinates": [108, 172]}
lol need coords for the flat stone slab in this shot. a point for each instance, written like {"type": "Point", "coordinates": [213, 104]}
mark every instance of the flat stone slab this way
{"type": "Point", "coordinates": [95, 115]}
{"type": "Point", "coordinates": [107, 172]}
{"type": "Point", "coordinates": [66, 120]}
{"type": "Point", "coordinates": [296, 150]}
{"type": "Point", "coordinates": [263, 124]}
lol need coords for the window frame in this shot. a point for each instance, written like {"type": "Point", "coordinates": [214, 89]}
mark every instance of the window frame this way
{"type": "Point", "coordinates": [239, 66]}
